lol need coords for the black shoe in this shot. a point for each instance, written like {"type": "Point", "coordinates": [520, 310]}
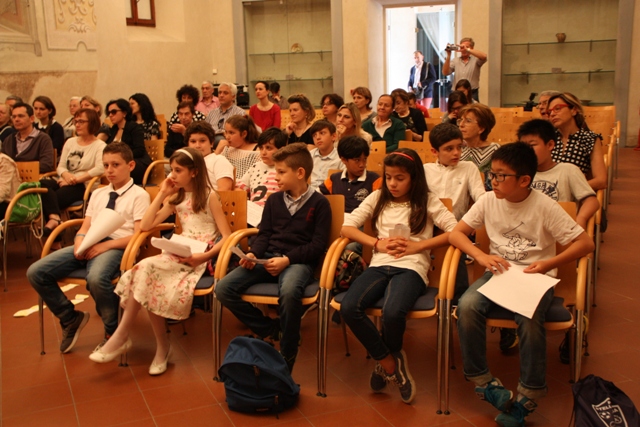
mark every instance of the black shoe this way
{"type": "Point", "coordinates": [508, 339]}
{"type": "Point", "coordinates": [290, 361]}
{"type": "Point", "coordinates": [71, 332]}
{"type": "Point", "coordinates": [378, 379]}
{"type": "Point", "coordinates": [402, 378]}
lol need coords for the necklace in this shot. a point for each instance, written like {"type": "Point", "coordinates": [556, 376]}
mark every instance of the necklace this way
{"type": "Point", "coordinates": [399, 204]}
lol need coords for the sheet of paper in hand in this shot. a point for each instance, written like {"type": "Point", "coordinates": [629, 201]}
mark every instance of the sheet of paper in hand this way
{"type": "Point", "coordinates": [179, 245]}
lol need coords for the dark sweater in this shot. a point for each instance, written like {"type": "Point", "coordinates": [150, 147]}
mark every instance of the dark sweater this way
{"type": "Point", "coordinates": [40, 149]}
{"type": "Point", "coordinates": [302, 237]}
{"type": "Point", "coordinates": [56, 133]}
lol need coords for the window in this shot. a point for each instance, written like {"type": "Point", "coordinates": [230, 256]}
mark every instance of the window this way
{"type": "Point", "coordinates": [141, 13]}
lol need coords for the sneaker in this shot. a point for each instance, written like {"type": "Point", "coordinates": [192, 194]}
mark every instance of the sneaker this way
{"type": "Point", "coordinates": [495, 393]}
{"type": "Point", "coordinates": [102, 343]}
{"type": "Point", "coordinates": [508, 339]}
{"type": "Point", "coordinates": [518, 412]}
{"type": "Point", "coordinates": [402, 378]}
{"type": "Point", "coordinates": [378, 380]}
{"type": "Point", "coordinates": [71, 332]}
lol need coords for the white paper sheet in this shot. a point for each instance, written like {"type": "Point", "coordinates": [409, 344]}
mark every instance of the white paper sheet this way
{"type": "Point", "coordinates": [179, 245]}
{"type": "Point", "coordinates": [236, 250]}
{"type": "Point", "coordinates": [518, 291]}
{"type": "Point", "coordinates": [254, 213]}
{"type": "Point", "coordinates": [105, 223]}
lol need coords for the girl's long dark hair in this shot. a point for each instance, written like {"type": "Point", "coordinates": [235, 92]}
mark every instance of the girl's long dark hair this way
{"type": "Point", "coordinates": [418, 193]}
{"type": "Point", "coordinates": [201, 183]}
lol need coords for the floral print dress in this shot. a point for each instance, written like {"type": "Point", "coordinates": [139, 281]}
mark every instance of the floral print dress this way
{"type": "Point", "coordinates": [160, 283]}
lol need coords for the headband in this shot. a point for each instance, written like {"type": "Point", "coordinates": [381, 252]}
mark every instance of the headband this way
{"type": "Point", "coordinates": [399, 153]}
{"type": "Point", "coordinates": [183, 151]}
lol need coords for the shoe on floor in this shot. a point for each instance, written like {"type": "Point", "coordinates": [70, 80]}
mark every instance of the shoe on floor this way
{"type": "Point", "coordinates": [71, 332]}
{"type": "Point", "coordinates": [515, 417]}
{"type": "Point", "coordinates": [378, 380]}
{"type": "Point", "coordinates": [495, 393]}
{"type": "Point", "coordinates": [160, 368]}
{"type": "Point", "coordinates": [508, 339]}
{"type": "Point", "coordinates": [402, 378]}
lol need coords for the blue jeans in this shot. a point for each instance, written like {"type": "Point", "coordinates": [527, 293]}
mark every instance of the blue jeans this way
{"type": "Point", "coordinates": [400, 288]}
{"type": "Point", "coordinates": [472, 310]}
{"type": "Point", "coordinates": [44, 274]}
{"type": "Point", "coordinates": [291, 282]}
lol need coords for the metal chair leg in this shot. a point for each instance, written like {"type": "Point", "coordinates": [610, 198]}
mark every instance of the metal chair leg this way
{"type": "Point", "coordinates": [41, 318]}
{"type": "Point", "coordinates": [216, 314]}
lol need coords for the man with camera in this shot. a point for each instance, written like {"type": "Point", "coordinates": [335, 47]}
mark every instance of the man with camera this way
{"type": "Point", "coordinates": [467, 65]}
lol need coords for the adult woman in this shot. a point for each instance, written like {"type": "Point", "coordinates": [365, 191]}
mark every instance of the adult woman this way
{"type": "Point", "coordinates": [302, 114]}
{"type": "Point", "coordinates": [144, 115]}
{"type": "Point", "coordinates": [265, 113]}
{"type": "Point", "coordinates": [125, 129]}
{"type": "Point", "coordinates": [475, 123]}
{"type": "Point", "coordinates": [362, 98]}
{"type": "Point", "coordinates": [575, 143]}
{"type": "Point", "coordinates": [411, 117]}
{"type": "Point", "coordinates": [330, 104]}
{"type": "Point", "coordinates": [187, 93]}
{"type": "Point", "coordinates": [45, 111]}
{"type": "Point", "coordinates": [464, 86]}
{"type": "Point", "coordinates": [80, 161]}
{"type": "Point", "coordinates": [89, 102]}
{"type": "Point", "coordinates": [348, 123]}
{"type": "Point", "coordinates": [457, 100]}
{"type": "Point", "coordinates": [385, 127]}
{"type": "Point", "coordinates": [69, 128]}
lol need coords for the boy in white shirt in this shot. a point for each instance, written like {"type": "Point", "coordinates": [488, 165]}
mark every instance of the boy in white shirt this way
{"type": "Point", "coordinates": [523, 227]}
{"type": "Point", "coordinates": [325, 155]}
{"type": "Point", "coordinates": [201, 136]}
{"type": "Point", "coordinates": [102, 260]}
{"type": "Point", "coordinates": [563, 182]}
{"type": "Point", "coordinates": [260, 180]}
{"type": "Point", "coordinates": [449, 178]}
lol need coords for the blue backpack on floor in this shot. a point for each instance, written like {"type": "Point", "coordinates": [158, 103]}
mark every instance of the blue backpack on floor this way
{"type": "Point", "coordinates": [256, 377]}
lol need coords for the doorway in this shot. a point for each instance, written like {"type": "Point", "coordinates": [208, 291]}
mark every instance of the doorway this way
{"type": "Point", "coordinates": [424, 28]}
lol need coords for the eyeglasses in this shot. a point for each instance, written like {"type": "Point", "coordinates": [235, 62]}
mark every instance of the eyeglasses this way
{"type": "Point", "coordinates": [499, 177]}
{"type": "Point", "coordinates": [80, 122]}
{"type": "Point", "coordinates": [557, 108]}
{"type": "Point", "coordinates": [466, 121]}
{"type": "Point", "coordinates": [112, 112]}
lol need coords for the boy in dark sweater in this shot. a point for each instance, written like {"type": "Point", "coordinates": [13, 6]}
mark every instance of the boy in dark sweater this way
{"type": "Point", "coordinates": [293, 235]}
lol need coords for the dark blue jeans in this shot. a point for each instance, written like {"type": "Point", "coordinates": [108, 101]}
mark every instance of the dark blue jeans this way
{"type": "Point", "coordinates": [400, 289]}
{"type": "Point", "coordinates": [44, 274]}
{"type": "Point", "coordinates": [472, 310]}
{"type": "Point", "coordinates": [291, 281]}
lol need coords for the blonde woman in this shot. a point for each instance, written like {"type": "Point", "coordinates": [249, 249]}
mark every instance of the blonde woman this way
{"type": "Point", "coordinates": [349, 123]}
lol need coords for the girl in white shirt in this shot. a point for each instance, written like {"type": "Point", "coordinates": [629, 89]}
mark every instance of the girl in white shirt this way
{"type": "Point", "coordinates": [397, 273]}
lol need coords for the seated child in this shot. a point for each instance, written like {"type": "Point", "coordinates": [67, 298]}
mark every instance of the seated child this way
{"type": "Point", "coordinates": [201, 136]}
{"type": "Point", "coordinates": [563, 182]}
{"type": "Point", "coordinates": [260, 180]}
{"type": "Point", "coordinates": [325, 156]}
{"type": "Point", "coordinates": [399, 265]}
{"type": "Point", "coordinates": [355, 182]}
{"type": "Point", "coordinates": [513, 212]}
{"type": "Point", "coordinates": [452, 179]}
{"type": "Point", "coordinates": [293, 235]}
{"type": "Point", "coordinates": [101, 260]}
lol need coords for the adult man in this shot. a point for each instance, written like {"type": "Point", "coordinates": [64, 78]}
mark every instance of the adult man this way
{"type": "Point", "coordinates": [28, 144]}
{"type": "Point", "coordinates": [216, 118]}
{"type": "Point", "coordinates": [421, 79]}
{"type": "Point", "coordinates": [5, 122]}
{"type": "Point", "coordinates": [467, 66]}
{"type": "Point", "coordinates": [208, 102]}
{"type": "Point", "coordinates": [12, 100]}
{"type": "Point", "coordinates": [175, 137]}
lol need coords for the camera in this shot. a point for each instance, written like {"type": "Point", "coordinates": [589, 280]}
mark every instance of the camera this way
{"type": "Point", "coordinates": [452, 47]}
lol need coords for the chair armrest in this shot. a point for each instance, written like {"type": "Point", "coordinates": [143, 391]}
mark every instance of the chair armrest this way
{"type": "Point", "coordinates": [581, 284]}
{"type": "Point", "coordinates": [331, 262]}
{"type": "Point", "coordinates": [18, 196]}
{"type": "Point", "coordinates": [446, 273]}
{"type": "Point", "coordinates": [134, 245]}
{"type": "Point", "coordinates": [600, 197]}
{"type": "Point", "coordinates": [452, 274]}
{"type": "Point", "coordinates": [150, 168]}
{"type": "Point", "coordinates": [224, 256]}
{"type": "Point", "coordinates": [46, 249]}
{"type": "Point", "coordinates": [48, 174]}
{"type": "Point", "coordinates": [89, 187]}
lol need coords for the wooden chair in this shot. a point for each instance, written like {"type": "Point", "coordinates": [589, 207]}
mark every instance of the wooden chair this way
{"type": "Point", "coordinates": [29, 171]}
{"type": "Point", "coordinates": [285, 118]}
{"type": "Point", "coordinates": [408, 135]}
{"type": "Point", "coordinates": [429, 305]}
{"type": "Point", "coordinates": [377, 153]}
{"type": "Point", "coordinates": [504, 133]}
{"type": "Point", "coordinates": [566, 311]}
{"type": "Point", "coordinates": [81, 205]}
{"type": "Point", "coordinates": [155, 148]}
{"type": "Point", "coordinates": [422, 148]}
{"type": "Point", "coordinates": [268, 293]}
{"type": "Point", "coordinates": [162, 121]}
{"type": "Point", "coordinates": [436, 113]}
{"type": "Point", "coordinates": [153, 177]}
{"type": "Point", "coordinates": [433, 122]}
{"type": "Point", "coordinates": [319, 115]}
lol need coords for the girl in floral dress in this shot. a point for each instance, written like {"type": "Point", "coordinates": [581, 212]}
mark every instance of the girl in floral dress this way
{"type": "Point", "coordinates": [164, 284]}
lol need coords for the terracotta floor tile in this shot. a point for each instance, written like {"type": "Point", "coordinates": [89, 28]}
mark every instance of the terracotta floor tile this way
{"type": "Point", "coordinates": [212, 415]}
{"type": "Point", "coordinates": [47, 370]}
{"type": "Point", "coordinates": [112, 410]}
{"type": "Point", "coordinates": [106, 383]}
{"type": "Point", "coordinates": [178, 397]}
{"type": "Point", "coordinates": [26, 400]}
{"type": "Point", "coordinates": [62, 416]}
{"type": "Point", "coordinates": [360, 416]}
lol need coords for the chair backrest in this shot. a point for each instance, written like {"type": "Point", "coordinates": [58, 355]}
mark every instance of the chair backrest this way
{"type": "Point", "coordinates": [163, 126]}
{"type": "Point", "coordinates": [29, 171]}
{"type": "Point", "coordinates": [155, 148]}
{"type": "Point", "coordinates": [504, 133]}
{"type": "Point", "coordinates": [154, 175]}
{"type": "Point", "coordinates": [436, 113]}
{"type": "Point", "coordinates": [422, 148]}
{"type": "Point", "coordinates": [234, 206]}
{"type": "Point", "coordinates": [337, 216]}
{"type": "Point", "coordinates": [433, 122]}
{"type": "Point", "coordinates": [319, 115]}
{"type": "Point", "coordinates": [377, 153]}
{"type": "Point", "coordinates": [285, 118]}
{"type": "Point", "coordinates": [408, 135]}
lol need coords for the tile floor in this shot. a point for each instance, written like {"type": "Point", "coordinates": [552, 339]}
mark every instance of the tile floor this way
{"type": "Point", "coordinates": [70, 390]}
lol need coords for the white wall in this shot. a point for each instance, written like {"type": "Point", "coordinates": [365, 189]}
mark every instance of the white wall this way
{"type": "Point", "coordinates": [401, 43]}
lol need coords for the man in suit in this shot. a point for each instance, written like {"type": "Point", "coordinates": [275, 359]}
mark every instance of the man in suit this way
{"type": "Point", "coordinates": [421, 79]}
